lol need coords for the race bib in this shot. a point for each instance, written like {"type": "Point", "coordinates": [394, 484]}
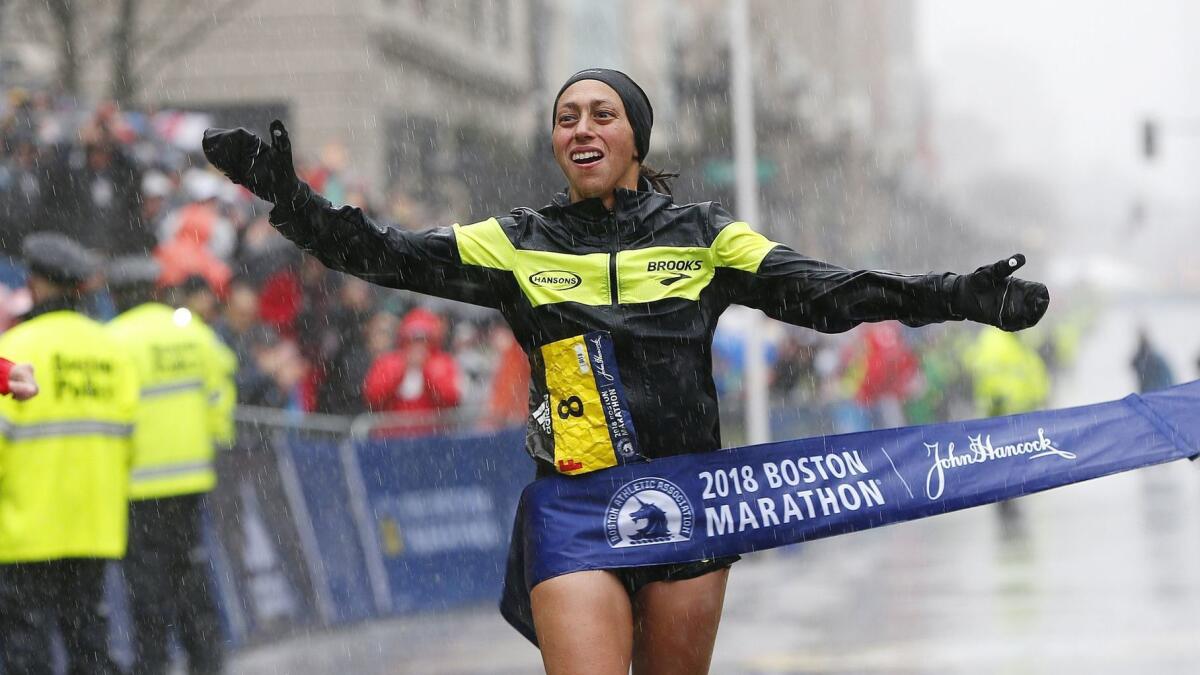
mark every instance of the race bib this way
{"type": "Point", "coordinates": [589, 415]}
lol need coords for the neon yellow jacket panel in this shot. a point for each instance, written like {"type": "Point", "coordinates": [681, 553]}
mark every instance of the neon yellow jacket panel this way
{"type": "Point", "coordinates": [1009, 376]}
{"type": "Point", "coordinates": [187, 399]}
{"type": "Point", "coordinates": [65, 454]}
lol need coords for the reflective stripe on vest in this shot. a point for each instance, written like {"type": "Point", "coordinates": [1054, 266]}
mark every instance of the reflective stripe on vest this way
{"type": "Point", "coordinates": [172, 388]}
{"type": "Point", "coordinates": [24, 432]}
{"type": "Point", "coordinates": [169, 470]}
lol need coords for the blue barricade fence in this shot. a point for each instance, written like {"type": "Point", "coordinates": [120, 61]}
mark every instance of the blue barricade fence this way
{"type": "Point", "coordinates": [317, 471]}
{"type": "Point", "coordinates": [323, 526]}
{"type": "Point", "coordinates": [315, 523]}
{"type": "Point", "coordinates": [441, 511]}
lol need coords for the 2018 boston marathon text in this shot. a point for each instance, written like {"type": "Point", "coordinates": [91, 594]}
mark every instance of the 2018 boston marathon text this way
{"type": "Point", "coordinates": [856, 491]}
{"type": "Point", "coordinates": [833, 483]}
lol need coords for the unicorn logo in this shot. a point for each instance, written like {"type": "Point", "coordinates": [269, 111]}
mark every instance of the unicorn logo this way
{"type": "Point", "coordinates": [648, 511]}
{"type": "Point", "coordinates": [656, 521]}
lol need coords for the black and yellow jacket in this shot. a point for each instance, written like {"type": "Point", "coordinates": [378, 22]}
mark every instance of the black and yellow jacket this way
{"type": "Point", "coordinates": [654, 274]}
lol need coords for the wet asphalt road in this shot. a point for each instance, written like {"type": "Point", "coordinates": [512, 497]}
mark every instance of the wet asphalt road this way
{"type": "Point", "coordinates": [1100, 577]}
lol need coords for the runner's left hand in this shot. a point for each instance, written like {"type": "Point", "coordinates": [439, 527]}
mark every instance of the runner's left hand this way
{"type": "Point", "coordinates": [993, 296]}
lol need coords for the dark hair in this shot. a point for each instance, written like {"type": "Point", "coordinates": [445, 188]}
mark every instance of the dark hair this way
{"type": "Point", "coordinates": [194, 283]}
{"type": "Point", "coordinates": [128, 297]}
{"type": "Point", "coordinates": [660, 181]}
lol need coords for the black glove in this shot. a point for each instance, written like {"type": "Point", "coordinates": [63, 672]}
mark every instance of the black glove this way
{"type": "Point", "coordinates": [265, 170]}
{"type": "Point", "coordinates": [990, 295]}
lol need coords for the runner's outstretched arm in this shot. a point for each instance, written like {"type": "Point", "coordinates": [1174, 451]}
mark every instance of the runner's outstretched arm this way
{"type": "Point", "coordinates": [344, 238]}
{"type": "Point", "coordinates": [792, 287]}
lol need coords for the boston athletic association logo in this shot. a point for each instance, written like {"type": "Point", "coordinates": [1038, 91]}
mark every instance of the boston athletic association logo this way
{"type": "Point", "coordinates": [648, 511]}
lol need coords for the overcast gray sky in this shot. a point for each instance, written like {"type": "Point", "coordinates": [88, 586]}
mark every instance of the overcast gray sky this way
{"type": "Point", "coordinates": [1057, 89]}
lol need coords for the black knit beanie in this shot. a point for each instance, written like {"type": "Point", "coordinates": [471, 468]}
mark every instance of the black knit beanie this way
{"type": "Point", "coordinates": [637, 105]}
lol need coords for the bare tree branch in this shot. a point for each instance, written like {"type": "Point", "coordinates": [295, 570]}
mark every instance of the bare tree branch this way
{"type": "Point", "coordinates": [168, 15]}
{"type": "Point", "coordinates": [124, 47]}
{"type": "Point", "coordinates": [151, 62]}
{"type": "Point", "coordinates": [137, 55]}
{"type": "Point", "coordinates": [108, 41]}
{"type": "Point", "coordinates": [36, 20]}
{"type": "Point", "coordinates": [101, 40]}
{"type": "Point", "coordinates": [65, 20]}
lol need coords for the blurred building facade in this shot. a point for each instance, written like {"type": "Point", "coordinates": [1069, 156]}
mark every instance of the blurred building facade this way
{"type": "Point", "coordinates": [405, 85]}
{"type": "Point", "coordinates": [451, 100]}
{"type": "Point", "coordinates": [400, 83]}
{"type": "Point", "coordinates": [838, 118]}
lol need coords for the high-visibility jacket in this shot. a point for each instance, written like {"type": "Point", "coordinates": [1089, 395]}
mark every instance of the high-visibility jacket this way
{"type": "Point", "coordinates": [65, 454]}
{"type": "Point", "coordinates": [1009, 375]}
{"type": "Point", "coordinates": [187, 399]}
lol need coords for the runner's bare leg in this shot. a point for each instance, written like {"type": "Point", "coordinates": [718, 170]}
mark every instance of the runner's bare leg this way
{"type": "Point", "coordinates": [584, 624]}
{"type": "Point", "coordinates": [675, 625]}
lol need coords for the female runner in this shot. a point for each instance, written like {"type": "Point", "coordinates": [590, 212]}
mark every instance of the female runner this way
{"type": "Point", "coordinates": [614, 253]}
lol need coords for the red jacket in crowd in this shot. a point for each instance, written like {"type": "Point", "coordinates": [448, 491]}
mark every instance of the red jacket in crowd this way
{"type": "Point", "coordinates": [891, 368]}
{"type": "Point", "coordinates": [187, 253]}
{"type": "Point", "coordinates": [417, 378]}
{"type": "Point", "coordinates": [5, 367]}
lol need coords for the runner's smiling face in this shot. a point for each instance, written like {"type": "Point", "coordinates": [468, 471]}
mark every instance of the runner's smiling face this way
{"type": "Point", "coordinates": [593, 142]}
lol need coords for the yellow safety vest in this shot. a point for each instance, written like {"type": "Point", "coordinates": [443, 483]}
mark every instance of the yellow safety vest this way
{"type": "Point", "coordinates": [187, 399]}
{"type": "Point", "coordinates": [1009, 376]}
{"type": "Point", "coordinates": [65, 454]}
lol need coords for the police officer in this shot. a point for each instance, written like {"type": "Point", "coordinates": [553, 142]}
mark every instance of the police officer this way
{"type": "Point", "coordinates": [64, 469]}
{"type": "Point", "coordinates": [1009, 378]}
{"type": "Point", "coordinates": [186, 408]}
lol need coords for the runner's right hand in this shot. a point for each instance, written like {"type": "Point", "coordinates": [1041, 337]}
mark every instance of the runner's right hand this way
{"type": "Point", "coordinates": [266, 170]}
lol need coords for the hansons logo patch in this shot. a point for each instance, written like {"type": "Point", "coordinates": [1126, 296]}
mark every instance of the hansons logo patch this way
{"type": "Point", "coordinates": [555, 280]}
{"type": "Point", "coordinates": [648, 511]}
{"type": "Point", "coordinates": [980, 451]}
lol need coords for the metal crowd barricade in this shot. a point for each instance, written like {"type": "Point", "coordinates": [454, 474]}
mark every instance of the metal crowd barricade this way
{"type": "Point", "coordinates": [319, 520]}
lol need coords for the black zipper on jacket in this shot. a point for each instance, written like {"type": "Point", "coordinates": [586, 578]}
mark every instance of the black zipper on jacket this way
{"type": "Point", "coordinates": [612, 259]}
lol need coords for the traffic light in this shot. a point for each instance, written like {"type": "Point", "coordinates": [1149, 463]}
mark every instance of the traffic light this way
{"type": "Point", "coordinates": [1149, 139]}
